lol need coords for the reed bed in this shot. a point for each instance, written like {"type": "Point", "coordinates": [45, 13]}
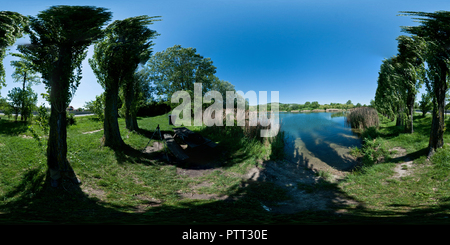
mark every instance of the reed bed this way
{"type": "Point", "coordinates": [363, 117]}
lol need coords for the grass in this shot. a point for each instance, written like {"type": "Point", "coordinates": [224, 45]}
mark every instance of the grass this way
{"type": "Point", "coordinates": [128, 187]}
{"type": "Point", "coordinates": [120, 186]}
{"type": "Point", "coordinates": [425, 192]}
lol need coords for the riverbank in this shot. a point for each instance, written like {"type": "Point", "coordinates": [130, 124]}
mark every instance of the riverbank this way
{"type": "Point", "coordinates": [241, 186]}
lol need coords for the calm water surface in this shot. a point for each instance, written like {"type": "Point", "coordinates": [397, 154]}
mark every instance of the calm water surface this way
{"type": "Point", "coordinates": [319, 140]}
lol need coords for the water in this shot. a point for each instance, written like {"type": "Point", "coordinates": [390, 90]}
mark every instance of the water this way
{"type": "Point", "coordinates": [319, 140]}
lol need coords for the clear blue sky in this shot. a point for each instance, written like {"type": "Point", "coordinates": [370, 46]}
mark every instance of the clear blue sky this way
{"type": "Point", "coordinates": [308, 50]}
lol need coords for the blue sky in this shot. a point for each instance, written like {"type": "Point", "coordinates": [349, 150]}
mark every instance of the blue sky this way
{"type": "Point", "coordinates": [308, 50]}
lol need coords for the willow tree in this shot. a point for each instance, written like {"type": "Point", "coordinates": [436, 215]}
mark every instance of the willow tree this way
{"type": "Point", "coordinates": [390, 94]}
{"type": "Point", "coordinates": [134, 94]}
{"type": "Point", "coordinates": [60, 37]}
{"type": "Point", "coordinates": [24, 73]}
{"type": "Point", "coordinates": [410, 68]}
{"type": "Point", "coordinates": [12, 25]}
{"type": "Point", "coordinates": [126, 44]}
{"type": "Point", "coordinates": [435, 29]}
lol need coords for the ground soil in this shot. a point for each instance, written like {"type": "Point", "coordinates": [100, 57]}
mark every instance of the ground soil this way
{"type": "Point", "coordinates": [405, 166]}
{"type": "Point", "coordinates": [288, 174]}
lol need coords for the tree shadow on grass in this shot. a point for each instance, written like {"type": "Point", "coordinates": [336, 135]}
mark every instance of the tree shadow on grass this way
{"type": "Point", "coordinates": [34, 201]}
{"type": "Point", "coordinates": [128, 154]}
{"type": "Point", "coordinates": [12, 128]}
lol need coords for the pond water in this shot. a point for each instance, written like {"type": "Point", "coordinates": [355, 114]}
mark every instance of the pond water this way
{"type": "Point", "coordinates": [319, 140]}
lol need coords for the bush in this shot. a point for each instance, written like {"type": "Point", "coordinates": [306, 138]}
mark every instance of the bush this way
{"type": "Point", "coordinates": [97, 106]}
{"type": "Point", "coordinates": [70, 119]}
{"type": "Point", "coordinates": [370, 133]}
{"type": "Point", "coordinates": [154, 109]}
{"type": "Point", "coordinates": [363, 117]}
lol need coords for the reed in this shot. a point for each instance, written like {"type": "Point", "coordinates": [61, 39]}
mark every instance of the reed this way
{"type": "Point", "coordinates": [363, 117]}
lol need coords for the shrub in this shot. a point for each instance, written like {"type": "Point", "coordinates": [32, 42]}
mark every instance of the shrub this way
{"type": "Point", "coordinates": [363, 117]}
{"type": "Point", "coordinates": [70, 118]}
{"type": "Point", "coordinates": [97, 106]}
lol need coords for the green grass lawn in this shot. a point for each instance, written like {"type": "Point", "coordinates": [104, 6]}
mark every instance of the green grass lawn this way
{"type": "Point", "coordinates": [129, 187]}
{"type": "Point", "coordinates": [421, 196]}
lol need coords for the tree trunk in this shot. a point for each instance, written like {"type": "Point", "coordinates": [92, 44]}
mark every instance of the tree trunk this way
{"type": "Point", "coordinates": [23, 97]}
{"type": "Point", "coordinates": [399, 116]}
{"type": "Point", "coordinates": [438, 123]}
{"type": "Point", "coordinates": [410, 102]}
{"type": "Point", "coordinates": [130, 111]}
{"type": "Point", "coordinates": [111, 136]}
{"type": "Point", "coordinates": [57, 141]}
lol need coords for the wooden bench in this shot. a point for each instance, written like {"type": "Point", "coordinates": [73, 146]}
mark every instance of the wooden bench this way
{"type": "Point", "coordinates": [174, 147]}
{"type": "Point", "coordinates": [192, 139]}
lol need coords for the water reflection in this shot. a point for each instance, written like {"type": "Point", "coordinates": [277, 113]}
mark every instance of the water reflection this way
{"type": "Point", "coordinates": [319, 140]}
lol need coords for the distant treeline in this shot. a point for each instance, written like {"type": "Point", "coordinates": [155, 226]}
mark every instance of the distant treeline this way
{"type": "Point", "coordinates": [312, 106]}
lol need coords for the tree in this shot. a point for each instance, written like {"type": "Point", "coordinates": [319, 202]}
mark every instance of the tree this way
{"type": "Point", "coordinates": [12, 25]}
{"type": "Point", "coordinates": [315, 105]}
{"type": "Point", "coordinates": [410, 67]}
{"type": "Point", "coordinates": [348, 104]}
{"type": "Point", "coordinates": [222, 87]}
{"type": "Point", "coordinates": [390, 94]}
{"type": "Point", "coordinates": [97, 106]}
{"type": "Point", "coordinates": [434, 28]}
{"type": "Point", "coordinates": [21, 101]}
{"type": "Point", "coordinates": [137, 37]}
{"type": "Point", "coordinates": [137, 97]}
{"type": "Point", "coordinates": [116, 57]}
{"type": "Point", "coordinates": [177, 69]}
{"type": "Point", "coordinates": [25, 74]}
{"type": "Point", "coordinates": [15, 98]}
{"type": "Point", "coordinates": [425, 104]}
{"type": "Point", "coordinates": [60, 37]}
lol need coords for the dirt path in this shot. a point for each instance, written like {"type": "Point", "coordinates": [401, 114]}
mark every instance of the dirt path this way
{"type": "Point", "coordinates": [306, 189]}
{"type": "Point", "coordinates": [405, 166]}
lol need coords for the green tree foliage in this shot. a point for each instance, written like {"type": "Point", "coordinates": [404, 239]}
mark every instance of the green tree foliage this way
{"type": "Point", "coordinates": [410, 69]}
{"type": "Point", "coordinates": [59, 38]}
{"type": "Point", "coordinates": [425, 104]}
{"type": "Point", "coordinates": [315, 105]}
{"type": "Point", "coordinates": [25, 74]}
{"type": "Point", "coordinates": [141, 95]}
{"type": "Point", "coordinates": [434, 28]}
{"type": "Point", "coordinates": [14, 99]}
{"type": "Point", "coordinates": [399, 79]}
{"type": "Point", "coordinates": [222, 87]}
{"type": "Point", "coordinates": [3, 103]}
{"type": "Point", "coordinates": [390, 95]}
{"type": "Point", "coordinates": [177, 69]}
{"type": "Point", "coordinates": [12, 25]}
{"type": "Point", "coordinates": [97, 106]}
{"type": "Point", "coordinates": [21, 102]}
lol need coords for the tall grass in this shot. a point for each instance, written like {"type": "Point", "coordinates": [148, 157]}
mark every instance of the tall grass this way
{"type": "Point", "coordinates": [363, 117]}
{"type": "Point", "coordinates": [248, 136]}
